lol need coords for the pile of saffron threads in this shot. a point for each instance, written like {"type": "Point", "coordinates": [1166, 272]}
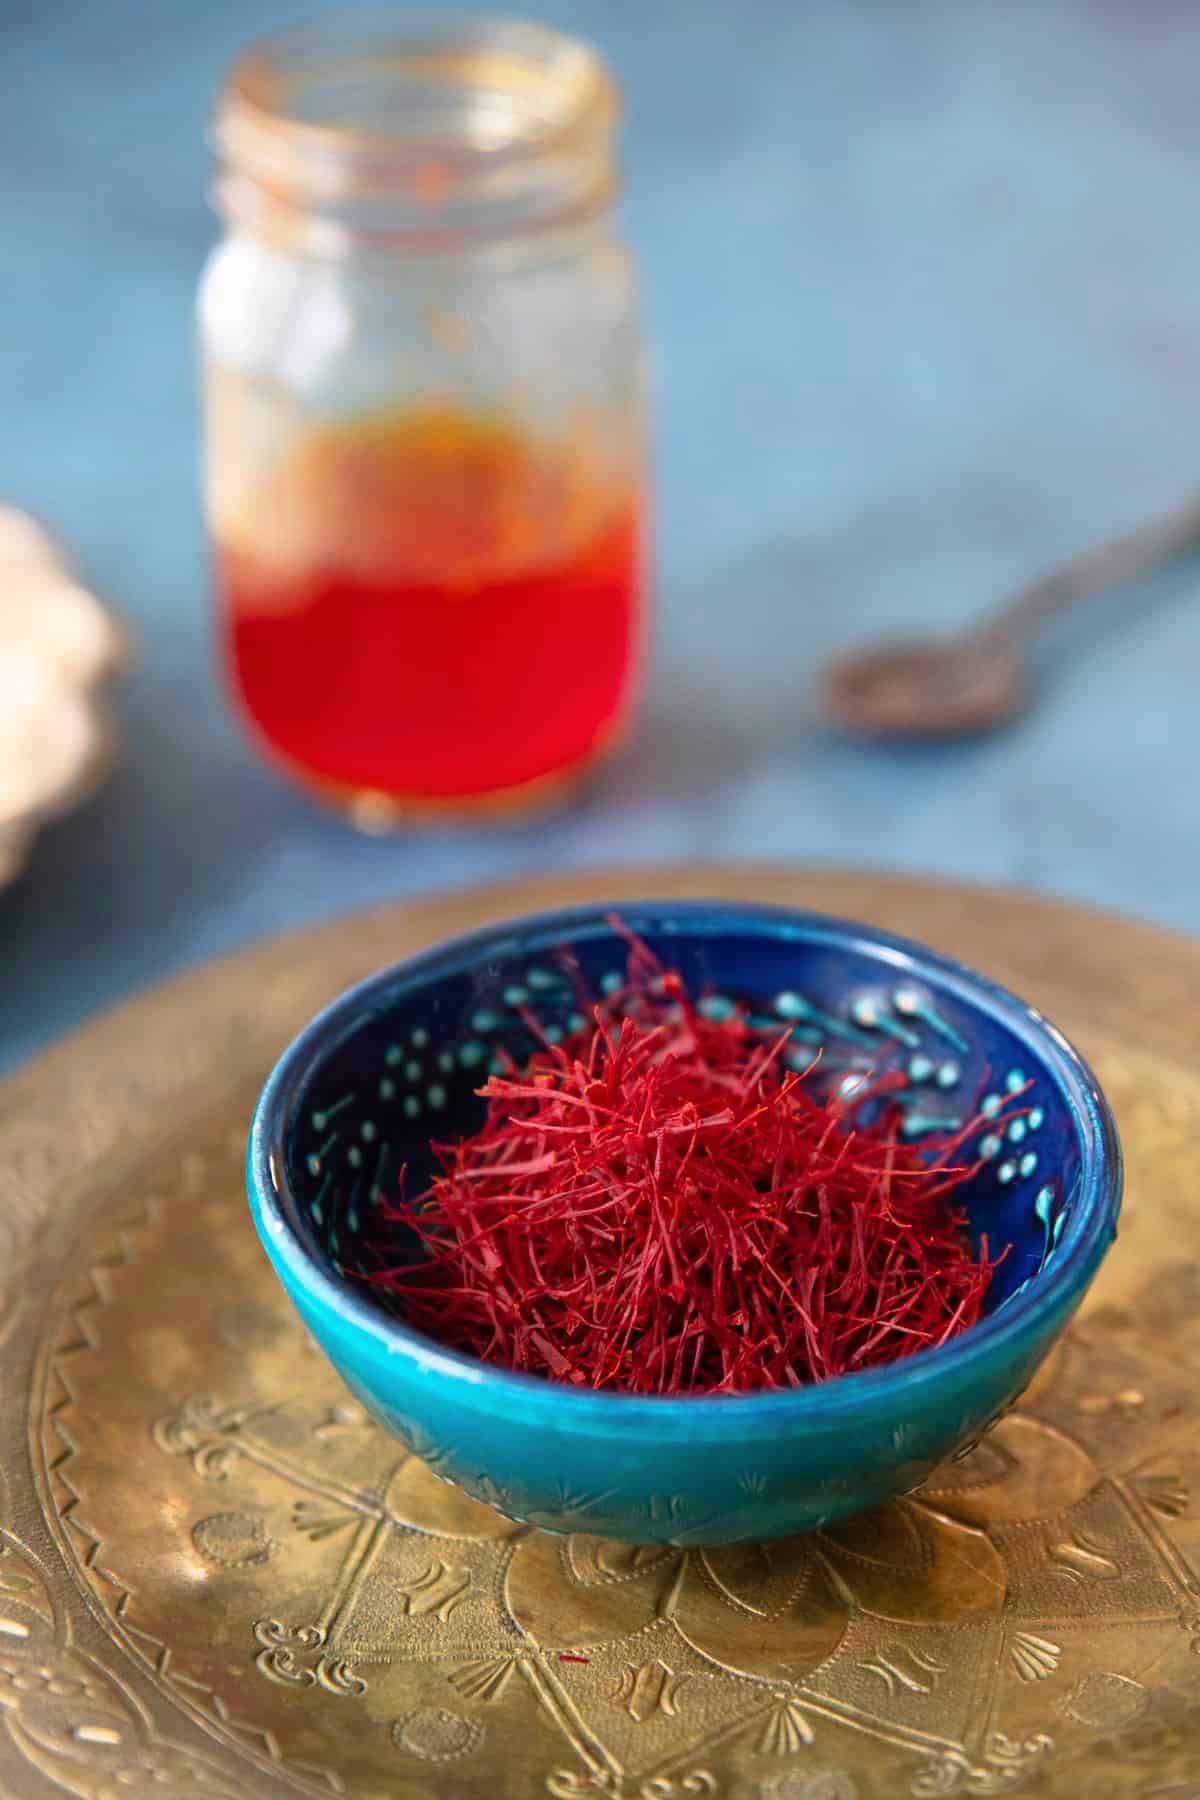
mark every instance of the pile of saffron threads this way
{"type": "Point", "coordinates": [659, 1205]}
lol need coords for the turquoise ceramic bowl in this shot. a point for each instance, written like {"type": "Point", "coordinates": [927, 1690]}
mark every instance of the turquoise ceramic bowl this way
{"type": "Point", "coordinates": [396, 1061]}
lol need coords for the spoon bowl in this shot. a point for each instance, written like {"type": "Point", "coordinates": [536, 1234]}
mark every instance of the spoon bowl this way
{"type": "Point", "coordinates": [921, 688]}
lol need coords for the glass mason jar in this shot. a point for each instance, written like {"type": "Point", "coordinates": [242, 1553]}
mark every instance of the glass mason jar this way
{"type": "Point", "coordinates": [425, 476]}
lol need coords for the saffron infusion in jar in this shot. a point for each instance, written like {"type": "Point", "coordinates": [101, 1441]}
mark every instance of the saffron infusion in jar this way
{"type": "Point", "coordinates": [424, 416]}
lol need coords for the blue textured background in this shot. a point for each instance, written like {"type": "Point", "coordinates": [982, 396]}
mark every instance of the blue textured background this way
{"type": "Point", "coordinates": [923, 281]}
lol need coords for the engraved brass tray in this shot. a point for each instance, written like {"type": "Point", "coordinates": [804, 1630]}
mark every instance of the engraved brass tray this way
{"type": "Point", "coordinates": [217, 1578]}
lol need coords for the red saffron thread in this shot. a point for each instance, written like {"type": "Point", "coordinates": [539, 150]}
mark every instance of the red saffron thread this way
{"type": "Point", "coordinates": [659, 1205]}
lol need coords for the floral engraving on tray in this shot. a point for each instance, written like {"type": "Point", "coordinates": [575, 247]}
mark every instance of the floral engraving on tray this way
{"type": "Point", "coordinates": [73, 1722]}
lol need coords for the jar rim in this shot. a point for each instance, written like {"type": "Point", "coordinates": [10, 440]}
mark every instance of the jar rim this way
{"type": "Point", "coordinates": [422, 132]}
{"type": "Point", "coordinates": [538, 92]}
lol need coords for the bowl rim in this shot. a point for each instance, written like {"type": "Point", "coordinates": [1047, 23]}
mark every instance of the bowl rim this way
{"type": "Point", "coordinates": [1026, 1316]}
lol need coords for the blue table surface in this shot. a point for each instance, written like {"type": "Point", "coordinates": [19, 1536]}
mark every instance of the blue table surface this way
{"type": "Point", "coordinates": [923, 285]}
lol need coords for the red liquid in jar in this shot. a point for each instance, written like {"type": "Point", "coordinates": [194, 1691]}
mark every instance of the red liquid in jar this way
{"type": "Point", "coordinates": [431, 609]}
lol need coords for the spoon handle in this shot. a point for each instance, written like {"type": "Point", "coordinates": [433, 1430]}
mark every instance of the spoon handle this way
{"type": "Point", "coordinates": [1098, 569]}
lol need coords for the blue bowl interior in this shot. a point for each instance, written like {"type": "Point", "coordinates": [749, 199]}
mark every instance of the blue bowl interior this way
{"type": "Point", "coordinates": [402, 1072]}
